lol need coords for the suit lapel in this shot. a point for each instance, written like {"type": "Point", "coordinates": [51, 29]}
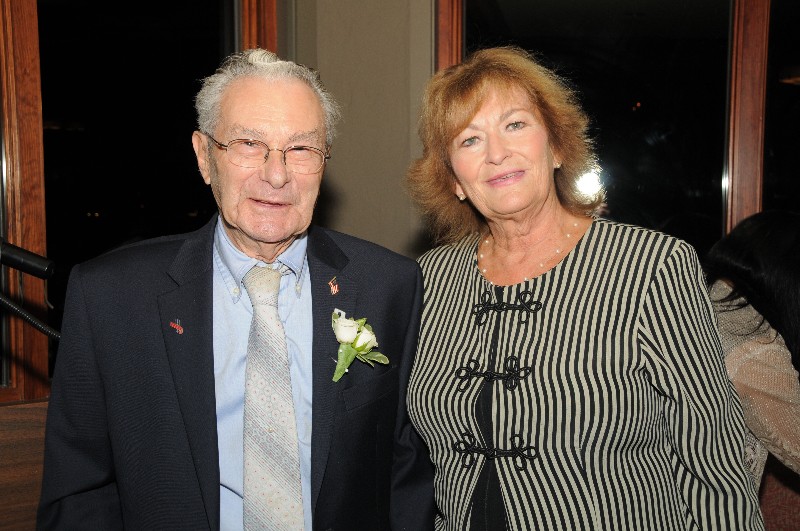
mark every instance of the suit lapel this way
{"type": "Point", "coordinates": [190, 351]}
{"type": "Point", "coordinates": [186, 316]}
{"type": "Point", "coordinates": [326, 262]}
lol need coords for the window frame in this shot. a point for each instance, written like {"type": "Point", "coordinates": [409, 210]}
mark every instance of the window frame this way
{"type": "Point", "coordinates": [744, 171]}
{"type": "Point", "coordinates": [22, 165]}
{"type": "Point", "coordinates": [21, 146]}
{"type": "Point", "coordinates": [23, 195]}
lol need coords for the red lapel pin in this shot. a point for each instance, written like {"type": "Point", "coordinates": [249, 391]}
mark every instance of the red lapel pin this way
{"type": "Point", "coordinates": [334, 286]}
{"type": "Point", "coordinates": [176, 324]}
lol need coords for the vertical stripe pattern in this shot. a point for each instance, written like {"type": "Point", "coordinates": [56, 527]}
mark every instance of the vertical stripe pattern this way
{"type": "Point", "coordinates": [621, 401]}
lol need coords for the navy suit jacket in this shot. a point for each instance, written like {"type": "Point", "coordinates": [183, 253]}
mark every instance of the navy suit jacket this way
{"type": "Point", "coordinates": [131, 436]}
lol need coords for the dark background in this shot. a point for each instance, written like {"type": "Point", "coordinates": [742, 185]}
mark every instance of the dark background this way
{"type": "Point", "coordinates": [119, 79]}
{"type": "Point", "coordinates": [118, 86]}
{"type": "Point", "coordinates": [653, 77]}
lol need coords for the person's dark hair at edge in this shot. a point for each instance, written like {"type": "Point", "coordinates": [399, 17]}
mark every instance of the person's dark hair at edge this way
{"type": "Point", "coordinates": [761, 260]}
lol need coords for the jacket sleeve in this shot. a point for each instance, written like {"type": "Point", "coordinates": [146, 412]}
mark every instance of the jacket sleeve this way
{"type": "Point", "coordinates": [79, 489]}
{"type": "Point", "coordinates": [769, 388]}
{"type": "Point", "coordinates": [702, 413]}
{"type": "Point", "coordinates": [412, 500]}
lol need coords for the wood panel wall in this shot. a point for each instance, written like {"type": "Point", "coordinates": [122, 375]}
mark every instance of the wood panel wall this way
{"type": "Point", "coordinates": [21, 454]}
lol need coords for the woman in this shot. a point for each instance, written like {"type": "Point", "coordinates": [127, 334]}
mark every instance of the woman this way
{"type": "Point", "coordinates": [754, 273]}
{"type": "Point", "coordinates": [569, 373]}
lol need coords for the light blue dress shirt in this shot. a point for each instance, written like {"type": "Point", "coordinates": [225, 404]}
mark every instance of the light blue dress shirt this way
{"type": "Point", "coordinates": [232, 315]}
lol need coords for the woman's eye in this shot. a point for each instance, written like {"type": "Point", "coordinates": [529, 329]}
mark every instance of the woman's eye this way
{"type": "Point", "coordinates": [469, 141]}
{"type": "Point", "coordinates": [516, 125]}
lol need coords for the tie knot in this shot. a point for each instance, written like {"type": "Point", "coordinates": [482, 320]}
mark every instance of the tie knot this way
{"type": "Point", "coordinates": [262, 284]}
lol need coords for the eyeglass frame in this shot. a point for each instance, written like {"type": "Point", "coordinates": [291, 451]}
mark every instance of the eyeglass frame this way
{"type": "Point", "coordinates": [325, 154]}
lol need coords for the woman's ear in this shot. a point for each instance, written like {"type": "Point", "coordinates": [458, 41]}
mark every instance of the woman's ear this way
{"type": "Point", "coordinates": [458, 190]}
{"type": "Point", "coordinates": [556, 157]}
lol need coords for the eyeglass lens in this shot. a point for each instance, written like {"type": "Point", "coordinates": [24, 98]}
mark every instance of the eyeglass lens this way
{"type": "Point", "coordinates": [299, 159]}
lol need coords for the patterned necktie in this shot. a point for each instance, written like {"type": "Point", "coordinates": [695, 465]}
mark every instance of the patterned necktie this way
{"type": "Point", "coordinates": [272, 495]}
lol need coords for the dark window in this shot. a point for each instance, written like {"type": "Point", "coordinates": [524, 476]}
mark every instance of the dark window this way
{"type": "Point", "coordinates": [653, 78]}
{"type": "Point", "coordinates": [118, 82]}
{"type": "Point", "coordinates": [782, 134]}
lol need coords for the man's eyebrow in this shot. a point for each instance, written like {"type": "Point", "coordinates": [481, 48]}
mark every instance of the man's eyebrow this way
{"type": "Point", "coordinates": [257, 134]}
{"type": "Point", "coordinates": [314, 134]}
{"type": "Point", "coordinates": [246, 132]}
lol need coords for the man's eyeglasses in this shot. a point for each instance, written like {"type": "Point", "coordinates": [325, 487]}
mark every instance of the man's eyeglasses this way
{"type": "Point", "coordinates": [249, 153]}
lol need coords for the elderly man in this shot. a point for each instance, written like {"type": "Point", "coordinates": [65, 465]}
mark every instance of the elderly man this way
{"type": "Point", "coordinates": [177, 403]}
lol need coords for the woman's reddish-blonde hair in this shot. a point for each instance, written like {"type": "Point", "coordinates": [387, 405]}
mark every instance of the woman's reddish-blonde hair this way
{"type": "Point", "coordinates": [454, 95]}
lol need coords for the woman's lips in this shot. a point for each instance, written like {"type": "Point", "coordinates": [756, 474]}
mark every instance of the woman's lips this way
{"type": "Point", "coordinates": [507, 178]}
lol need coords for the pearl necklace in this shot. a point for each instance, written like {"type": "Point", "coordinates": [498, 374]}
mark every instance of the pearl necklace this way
{"type": "Point", "coordinates": [542, 264]}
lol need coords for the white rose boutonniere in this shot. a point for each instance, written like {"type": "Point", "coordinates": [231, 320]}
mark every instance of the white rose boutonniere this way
{"type": "Point", "coordinates": [356, 340]}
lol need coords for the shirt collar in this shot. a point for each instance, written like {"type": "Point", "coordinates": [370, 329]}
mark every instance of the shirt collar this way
{"type": "Point", "coordinates": [236, 264]}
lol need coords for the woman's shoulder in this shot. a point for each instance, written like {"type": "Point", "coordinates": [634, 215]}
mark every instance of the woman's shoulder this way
{"type": "Point", "coordinates": [739, 322]}
{"type": "Point", "coordinates": [621, 227]}
{"type": "Point", "coordinates": [636, 235]}
{"type": "Point", "coordinates": [450, 252]}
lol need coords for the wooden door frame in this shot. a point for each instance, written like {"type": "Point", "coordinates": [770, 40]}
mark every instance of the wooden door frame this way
{"type": "Point", "coordinates": [23, 159]}
{"type": "Point", "coordinates": [748, 94]}
{"type": "Point", "coordinates": [21, 149]}
{"type": "Point", "coordinates": [259, 24]}
{"type": "Point", "coordinates": [23, 167]}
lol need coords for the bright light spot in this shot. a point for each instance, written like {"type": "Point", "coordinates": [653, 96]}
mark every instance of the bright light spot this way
{"type": "Point", "coordinates": [589, 184]}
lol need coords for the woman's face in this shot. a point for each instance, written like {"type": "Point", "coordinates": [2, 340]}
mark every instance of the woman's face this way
{"type": "Point", "coordinates": [502, 159]}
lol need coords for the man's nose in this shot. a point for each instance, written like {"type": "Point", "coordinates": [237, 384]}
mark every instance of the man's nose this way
{"type": "Point", "coordinates": [274, 170]}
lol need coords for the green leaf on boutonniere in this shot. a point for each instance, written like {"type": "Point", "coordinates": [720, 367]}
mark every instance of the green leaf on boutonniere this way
{"type": "Point", "coordinates": [373, 356]}
{"type": "Point", "coordinates": [346, 356]}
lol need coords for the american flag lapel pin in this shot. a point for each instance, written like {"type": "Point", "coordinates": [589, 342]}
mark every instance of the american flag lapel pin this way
{"type": "Point", "coordinates": [334, 286]}
{"type": "Point", "coordinates": [176, 324]}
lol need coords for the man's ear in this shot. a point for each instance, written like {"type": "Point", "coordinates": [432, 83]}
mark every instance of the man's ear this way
{"type": "Point", "coordinates": [201, 152]}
